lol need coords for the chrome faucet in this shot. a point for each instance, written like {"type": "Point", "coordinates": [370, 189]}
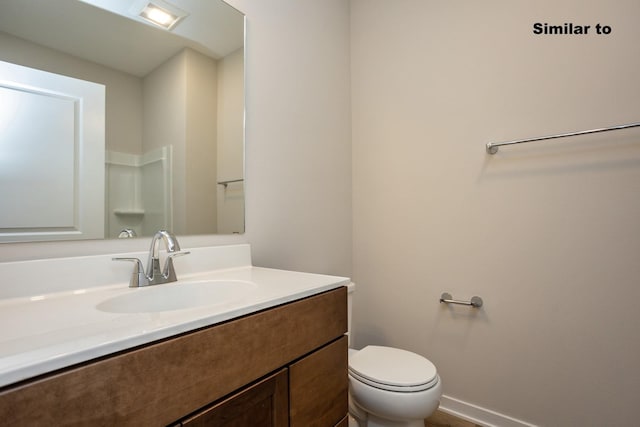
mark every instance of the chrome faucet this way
{"type": "Point", "coordinates": [155, 275]}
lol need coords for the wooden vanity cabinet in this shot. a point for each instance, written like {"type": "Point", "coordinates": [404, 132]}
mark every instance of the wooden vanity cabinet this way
{"type": "Point", "coordinates": [286, 365]}
{"type": "Point", "coordinates": [310, 392]}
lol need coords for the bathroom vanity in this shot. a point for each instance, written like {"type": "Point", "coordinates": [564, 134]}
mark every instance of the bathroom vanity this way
{"type": "Point", "coordinates": [281, 362]}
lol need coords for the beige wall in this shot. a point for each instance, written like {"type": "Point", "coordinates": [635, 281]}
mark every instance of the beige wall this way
{"type": "Point", "coordinates": [201, 139]}
{"type": "Point", "coordinates": [548, 235]}
{"type": "Point", "coordinates": [298, 164]}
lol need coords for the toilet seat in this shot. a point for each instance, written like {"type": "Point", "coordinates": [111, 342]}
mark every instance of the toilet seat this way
{"type": "Point", "coordinates": [392, 369]}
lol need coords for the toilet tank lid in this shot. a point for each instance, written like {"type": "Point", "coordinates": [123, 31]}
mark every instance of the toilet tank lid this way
{"type": "Point", "coordinates": [392, 366]}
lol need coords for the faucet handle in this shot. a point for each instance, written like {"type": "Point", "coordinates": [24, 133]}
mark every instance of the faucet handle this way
{"type": "Point", "coordinates": [177, 254]}
{"type": "Point", "coordinates": [138, 278]}
{"type": "Point", "coordinates": [169, 272]}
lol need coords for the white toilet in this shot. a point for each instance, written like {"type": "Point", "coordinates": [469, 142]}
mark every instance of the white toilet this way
{"type": "Point", "coordinates": [390, 387]}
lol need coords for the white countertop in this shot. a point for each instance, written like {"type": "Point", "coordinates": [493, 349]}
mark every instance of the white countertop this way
{"type": "Point", "coordinates": [48, 331]}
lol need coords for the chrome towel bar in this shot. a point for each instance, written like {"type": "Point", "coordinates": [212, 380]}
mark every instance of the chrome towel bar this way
{"type": "Point", "coordinates": [225, 183]}
{"type": "Point", "coordinates": [492, 147]}
{"type": "Point", "coordinates": [448, 299]}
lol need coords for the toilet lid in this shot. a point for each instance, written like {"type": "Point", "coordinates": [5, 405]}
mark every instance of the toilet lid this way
{"type": "Point", "coordinates": [393, 369]}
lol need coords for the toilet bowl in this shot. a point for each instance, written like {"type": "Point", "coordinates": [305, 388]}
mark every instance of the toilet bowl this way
{"type": "Point", "coordinates": [390, 387]}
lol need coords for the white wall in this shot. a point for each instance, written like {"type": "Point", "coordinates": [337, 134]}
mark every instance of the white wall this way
{"type": "Point", "coordinates": [298, 153]}
{"type": "Point", "coordinates": [548, 235]}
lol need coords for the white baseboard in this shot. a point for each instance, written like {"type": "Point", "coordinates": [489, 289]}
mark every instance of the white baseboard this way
{"type": "Point", "coordinates": [479, 415]}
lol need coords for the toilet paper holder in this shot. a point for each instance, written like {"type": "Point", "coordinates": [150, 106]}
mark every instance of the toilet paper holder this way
{"type": "Point", "coordinates": [475, 302]}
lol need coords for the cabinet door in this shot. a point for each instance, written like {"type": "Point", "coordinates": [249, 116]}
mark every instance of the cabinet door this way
{"type": "Point", "coordinates": [319, 388]}
{"type": "Point", "coordinates": [262, 404]}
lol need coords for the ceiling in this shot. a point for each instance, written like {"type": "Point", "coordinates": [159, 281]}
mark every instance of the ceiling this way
{"type": "Point", "coordinates": [116, 37]}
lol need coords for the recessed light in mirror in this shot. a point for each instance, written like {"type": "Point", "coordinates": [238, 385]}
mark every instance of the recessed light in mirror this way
{"type": "Point", "coordinates": [162, 14]}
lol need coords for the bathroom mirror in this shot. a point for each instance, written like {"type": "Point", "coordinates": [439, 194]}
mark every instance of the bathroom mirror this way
{"type": "Point", "coordinates": [174, 111]}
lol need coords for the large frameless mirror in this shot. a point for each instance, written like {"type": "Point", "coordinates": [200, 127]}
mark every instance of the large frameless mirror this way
{"type": "Point", "coordinates": [170, 131]}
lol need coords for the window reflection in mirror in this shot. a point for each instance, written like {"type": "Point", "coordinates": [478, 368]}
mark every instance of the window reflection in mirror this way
{"type": "Point", "coordinates": [174, 130]}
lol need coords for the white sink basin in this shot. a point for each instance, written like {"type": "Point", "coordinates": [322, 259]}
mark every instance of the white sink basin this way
{"type": "Point", "coordinates": [178, 296]}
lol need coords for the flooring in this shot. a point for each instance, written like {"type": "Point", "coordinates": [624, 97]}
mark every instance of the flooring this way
{"type": "Point", "coordinates": [442, 419]}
